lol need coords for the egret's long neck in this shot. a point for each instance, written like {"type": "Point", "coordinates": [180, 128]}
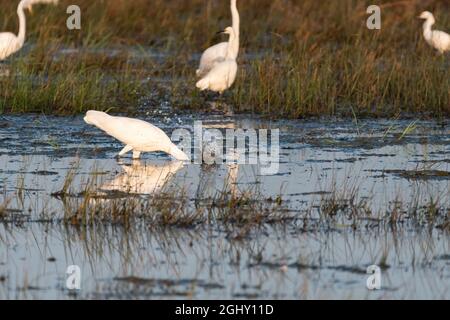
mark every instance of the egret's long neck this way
{"type": "Point", "coordinates": [236, 26]}
{"type": "Point", "coordinates": [231, 54]}
{"type": "Point", "coordinates": [427, 27]}
{"type": "Point", "coordinates": [22, 23]}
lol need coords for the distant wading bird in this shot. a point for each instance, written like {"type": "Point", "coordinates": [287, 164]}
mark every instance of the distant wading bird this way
{"type": "Point", "coordinates": [223, 74]}
{"type": "Point", "coordinates": [439, 40]}
{"type": "Point", "coordinates": [137, 135]}
{"type": "Point", "coordinates": [218, 52]}
{"type": "Point", "coordinates": [9, 42]}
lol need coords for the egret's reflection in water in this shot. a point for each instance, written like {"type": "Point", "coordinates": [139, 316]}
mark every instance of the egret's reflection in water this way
{"type": "Point", "coordinates": [143, 178]}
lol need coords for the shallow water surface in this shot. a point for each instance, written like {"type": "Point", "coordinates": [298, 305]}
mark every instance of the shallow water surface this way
{"type": "Point", "coordinates": [390, 170]}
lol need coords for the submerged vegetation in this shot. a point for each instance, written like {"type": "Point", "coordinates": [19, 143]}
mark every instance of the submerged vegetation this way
{"type": "Point", "coordinates": [236, 211]}
{"type": "Point", "coordinates": [298, 58]}
{"type": "Point", "coordinates": [346, 197]}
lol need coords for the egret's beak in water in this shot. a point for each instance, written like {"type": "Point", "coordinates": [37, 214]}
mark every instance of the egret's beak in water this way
{"type": "Point", "coordinates": [30, 8]}
{"type": "Point", "coordinates": [220, 32]}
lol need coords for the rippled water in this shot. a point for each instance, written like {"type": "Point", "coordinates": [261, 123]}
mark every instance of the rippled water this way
{"type": "Point", "coordinates": [379, 162]}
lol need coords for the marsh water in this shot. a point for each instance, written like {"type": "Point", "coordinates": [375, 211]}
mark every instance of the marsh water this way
{"type": "Point", "coordinates": [385, 165]}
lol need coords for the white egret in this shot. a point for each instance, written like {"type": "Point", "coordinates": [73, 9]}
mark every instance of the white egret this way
{"type": "Point", "coordinates": [137, 135]}
{"type": "Point", "coordinates": [218, 52]}
{"type": "Point", "coordinates": [223, 74]}
{"type": "Point", "coordinates": [439, 40]}
{"type": "Point", "coordinates": [11, 43]}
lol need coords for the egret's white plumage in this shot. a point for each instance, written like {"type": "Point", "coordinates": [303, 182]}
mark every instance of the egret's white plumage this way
{"type": "Point", "coordinates": [439, 40]}
{"type": "Point", "coordinates": [223, 74]}
{"type": "Point", "coordinates": [218, 52]}
{"type": "Point", "coordinates": [137, 135]}
{"type": "Point", "coordinates": [11, 43]}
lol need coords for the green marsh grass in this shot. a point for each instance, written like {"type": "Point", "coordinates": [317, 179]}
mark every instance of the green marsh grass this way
{"type": "Point", "coordinates": [298, 58]}
{"type": "Point", "coordinates": [69, 85]}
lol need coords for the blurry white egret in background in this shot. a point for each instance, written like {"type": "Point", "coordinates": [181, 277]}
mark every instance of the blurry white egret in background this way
{"type": "Point", "coordinates": [223, 74]}
{"type": "Point", "coordinates": [137, 135]}
{"type": "Point", "coordinates": [218, 52]}
{"type": "Point", "coordinates": [439, 40]}
{"type": "Point", "coordinates": [11, 43]}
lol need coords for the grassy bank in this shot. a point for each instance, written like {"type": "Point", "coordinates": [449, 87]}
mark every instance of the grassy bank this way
{"type": "Point", "coordinates": [298, 58]}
